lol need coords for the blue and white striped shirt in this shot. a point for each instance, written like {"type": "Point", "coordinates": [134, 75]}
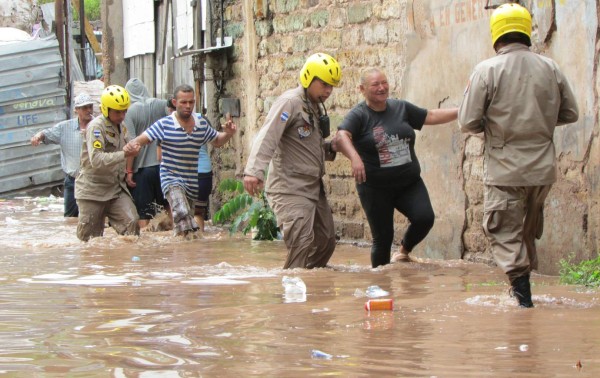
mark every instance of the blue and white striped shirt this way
{"type": "Point", "coordinates": [179, 165]}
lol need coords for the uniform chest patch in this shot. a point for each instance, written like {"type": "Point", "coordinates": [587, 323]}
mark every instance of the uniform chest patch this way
{"type": "Point", "coordinates": [97, 144]}
{"type": "Point", "coordinates": [112, 135]}
{"type": "Point", "coordinates": [97, 133]}
{"type": "Point", "coordinates": [304, 131]}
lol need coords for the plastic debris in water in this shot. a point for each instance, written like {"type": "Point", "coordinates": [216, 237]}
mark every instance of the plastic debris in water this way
{"type": "Point", "coordinates": [379, 304]}
{"type": "Point", "coordinates": [373, 291]}
{"type": "Point", "coordinates": [317, 354]}
{"type": "Point", "coordinates": [376, 292]}
{"type": "Point", "coordinates": [524, 347]}
{"type": "Point", "coordinates": [135, 259]}
{"type": "Point", "coordinates": [293, 285]}
{"type": "Point", "coordinates": [295, 289]}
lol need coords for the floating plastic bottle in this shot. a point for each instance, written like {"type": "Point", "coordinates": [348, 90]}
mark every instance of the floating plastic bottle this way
{"type": "Point", "coordinates": [379, 304]}
{"type": "Point", "coordinates": [295, 289]}
{"type": "Point", "coordinates": [293, 285]}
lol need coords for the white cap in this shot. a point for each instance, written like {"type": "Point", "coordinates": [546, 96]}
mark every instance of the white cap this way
{"type": "Point", "coordinates": [83, 100]}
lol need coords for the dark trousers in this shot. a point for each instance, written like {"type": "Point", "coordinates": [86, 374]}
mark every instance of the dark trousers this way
{"type": "Point", "coordinates": [71, 209]}
{"type": "Point", "coordinates": [379, 203]}
{"type": "Point", "coordinates": [205, 181]}
{"type": "Point", "coordinates": [147, 194]}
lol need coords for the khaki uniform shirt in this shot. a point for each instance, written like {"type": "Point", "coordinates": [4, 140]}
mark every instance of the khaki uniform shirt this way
{"type": "Point", "coordinates": [516, 99]}
{"type": "Point", "coordinates": [290, 144]}
{"type": "Point", "coordinates": [102, 172]}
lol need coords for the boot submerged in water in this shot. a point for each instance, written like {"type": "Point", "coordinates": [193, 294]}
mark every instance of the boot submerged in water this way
{"type": "Point", "coordinates": [521, 289]}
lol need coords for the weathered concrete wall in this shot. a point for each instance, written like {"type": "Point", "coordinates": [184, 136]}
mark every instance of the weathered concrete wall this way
{"type": "Point", "coordinates": [428, 49]}
{"type": "Point", "coordinates": [20, 14]}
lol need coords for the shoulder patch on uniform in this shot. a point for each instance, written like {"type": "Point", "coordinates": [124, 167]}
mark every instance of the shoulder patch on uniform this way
{"type": "Point", "coordinates": [284, 116]}
{"type": "Point", "coordinates": [97, 144]}
{"type": "Point", "coordinates": [97, 133]}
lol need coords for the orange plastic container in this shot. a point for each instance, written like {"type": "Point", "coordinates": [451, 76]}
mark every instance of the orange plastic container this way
{"type": "Point", "coordinates": [379, 304]}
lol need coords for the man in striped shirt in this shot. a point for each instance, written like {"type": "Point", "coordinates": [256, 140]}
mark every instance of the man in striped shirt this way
{"type": "Point", "coordinates": [181, 135]}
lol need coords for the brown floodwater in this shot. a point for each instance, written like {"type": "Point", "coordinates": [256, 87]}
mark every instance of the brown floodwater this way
{"type": "Point", "coordinates": [157, 306]}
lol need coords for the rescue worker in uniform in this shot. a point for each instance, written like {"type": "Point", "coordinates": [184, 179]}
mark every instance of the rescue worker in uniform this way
{"type": "Point", "coordinates": [291, 143]}
{"type": "Point", "coordinates": [516, 99]}
{"type": "Point", "coordinates": [100, 187]}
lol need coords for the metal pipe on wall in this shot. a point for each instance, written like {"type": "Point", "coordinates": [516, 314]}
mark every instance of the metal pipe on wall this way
{"type": "Point", "coordinates": [62, 35]}
{"type": "Point", "coordinates": [83, 37]}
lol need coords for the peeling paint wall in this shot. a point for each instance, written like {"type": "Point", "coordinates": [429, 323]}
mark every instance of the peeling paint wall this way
{"type": "Point", "coordinates": [428, 49]}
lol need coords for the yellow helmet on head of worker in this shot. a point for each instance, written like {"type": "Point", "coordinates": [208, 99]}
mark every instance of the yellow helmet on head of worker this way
{"type": "Point", "coordinates": [114, 97]}
{"type": "Point", "coordinates": [510, 18]}
{"type": "Point", "coordinates": [323, 66]}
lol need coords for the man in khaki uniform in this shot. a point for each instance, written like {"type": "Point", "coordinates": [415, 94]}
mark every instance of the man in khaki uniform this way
{"type": "Point", "coordinates": [100, 187]}
{"type": "Point", "coordinates": [291, 143]}
{"type": "Point", "coordinates": [516, 98]}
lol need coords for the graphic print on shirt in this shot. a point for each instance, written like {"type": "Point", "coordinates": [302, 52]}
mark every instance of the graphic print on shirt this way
{"type": "Point", "coordinates": [392, 150]}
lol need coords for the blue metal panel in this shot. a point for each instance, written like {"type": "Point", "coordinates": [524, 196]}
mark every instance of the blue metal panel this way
{"type": "Point", "coordinates": [32, 98]}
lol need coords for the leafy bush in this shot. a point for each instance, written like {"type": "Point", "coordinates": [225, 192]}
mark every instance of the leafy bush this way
{"type": "Point", "coordinates": [585, 273]}
{"type": "Point", "coordinates": [243, 210]}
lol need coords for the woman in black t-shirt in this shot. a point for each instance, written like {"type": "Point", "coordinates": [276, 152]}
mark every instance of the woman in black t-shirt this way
{"type": "Point", "coordinates": [378, 136]}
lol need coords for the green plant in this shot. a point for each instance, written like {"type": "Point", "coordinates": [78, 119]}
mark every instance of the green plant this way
{"type": "Point", "coordinates": [91, 8]}
{"type": "Point", "coordinates": [242, 210]}
{"type": "Point", "coordinates": [585, 273]}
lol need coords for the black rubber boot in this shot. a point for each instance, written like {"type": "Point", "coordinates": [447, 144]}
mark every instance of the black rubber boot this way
{"type": "Point", "coordinates": [521, 289]}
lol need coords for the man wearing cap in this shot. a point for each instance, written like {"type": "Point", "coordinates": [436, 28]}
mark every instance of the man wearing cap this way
{"type": "Point", "coordinates": [68, 134]}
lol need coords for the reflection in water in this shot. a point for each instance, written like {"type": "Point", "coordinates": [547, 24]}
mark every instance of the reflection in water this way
{"type": "Point", "coordinates": [158, 306]}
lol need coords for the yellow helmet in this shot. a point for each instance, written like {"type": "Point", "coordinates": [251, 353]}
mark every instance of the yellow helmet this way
{"type": "Point", "coordinates": [510, 18]}
{"type": "Point", "coordinates": [114, 97]}
{"type": "Point", "coordinates": [322, 66]}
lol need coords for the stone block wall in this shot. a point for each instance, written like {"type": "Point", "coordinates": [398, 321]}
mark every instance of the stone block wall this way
{"type": "Point", "coordinates": [428, 49]}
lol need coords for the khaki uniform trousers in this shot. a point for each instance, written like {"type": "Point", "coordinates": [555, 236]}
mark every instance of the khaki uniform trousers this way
{"type": "Point", "coordinates": [513, 217]}
{"type": "Point", "coordinates": [121, 212]}
{"type": "Point", "coordinates": [307, 227]}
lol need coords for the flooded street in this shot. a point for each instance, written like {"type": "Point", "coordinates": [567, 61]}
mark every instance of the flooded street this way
{"type": "Point", "coordinates": [215, 307]}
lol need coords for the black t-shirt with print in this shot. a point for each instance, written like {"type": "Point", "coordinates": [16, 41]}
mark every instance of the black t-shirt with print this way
{"type": "Point", "coordinates": [385, 141]}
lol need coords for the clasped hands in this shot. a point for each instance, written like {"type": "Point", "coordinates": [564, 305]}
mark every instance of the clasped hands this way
{"type": "Point", "coordinates": [132, 149]}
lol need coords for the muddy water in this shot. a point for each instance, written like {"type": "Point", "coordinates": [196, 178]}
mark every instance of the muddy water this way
{"type": "Point", "coordinates": [216, 307]}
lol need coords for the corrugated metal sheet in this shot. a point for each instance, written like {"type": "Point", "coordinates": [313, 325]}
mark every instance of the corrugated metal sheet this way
{"type": "Point", "coordinates": [32, 97]}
